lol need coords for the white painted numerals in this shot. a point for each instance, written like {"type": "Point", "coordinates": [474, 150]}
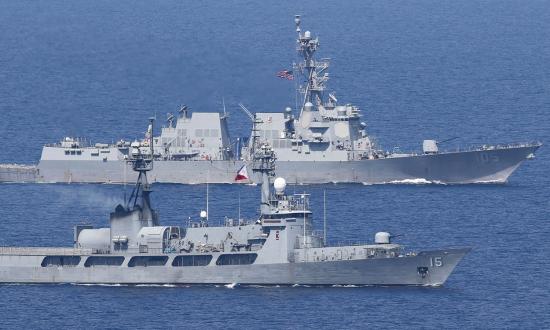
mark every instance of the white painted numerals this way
{"type": "Point", "coordinates": [436, 261]}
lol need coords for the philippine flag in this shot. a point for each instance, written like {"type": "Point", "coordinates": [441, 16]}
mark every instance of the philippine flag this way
{"type": "Point", "coordinates": [242, 174]}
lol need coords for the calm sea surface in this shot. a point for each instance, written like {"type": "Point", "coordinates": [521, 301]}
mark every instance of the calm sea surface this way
{"type": "Point", "coordinates": [418, 69]}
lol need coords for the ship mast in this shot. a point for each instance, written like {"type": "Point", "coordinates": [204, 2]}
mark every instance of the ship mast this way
{"type": "Point", "coordinates": [264, 163]}
{"type": "Point", "coordinates": [311, 69]}
{"type": "Point", "coordinates": [141, 159]}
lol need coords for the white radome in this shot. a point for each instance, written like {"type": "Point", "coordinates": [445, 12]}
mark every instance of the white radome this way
{"type": "Point", "coordinates": [203, 214]}
{"type": "Point", "coordinates": [279, 184]}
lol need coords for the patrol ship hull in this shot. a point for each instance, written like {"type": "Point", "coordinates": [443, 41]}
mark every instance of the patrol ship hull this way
{"type": "Point", "coordinates": [25, 265]}
{"type": "Point", "coordinates": [462, 167]}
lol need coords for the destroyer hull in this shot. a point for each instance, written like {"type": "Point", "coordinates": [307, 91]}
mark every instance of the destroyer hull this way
{"type": "Point", "coordinates": [479, 166]}
{"type": "Point", "coordinates": [416, 270]}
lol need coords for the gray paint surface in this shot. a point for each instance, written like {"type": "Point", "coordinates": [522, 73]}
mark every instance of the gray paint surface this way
{"type": "Point", "coordinates": [281, 241]}
{"type": "Point", "coordinates": [321, 133]}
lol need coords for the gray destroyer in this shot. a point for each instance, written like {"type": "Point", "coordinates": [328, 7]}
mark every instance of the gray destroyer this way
{"type": "Point", "coordinates": [279, 247]}
{"type": "Point", "coordinates": [321, 133]}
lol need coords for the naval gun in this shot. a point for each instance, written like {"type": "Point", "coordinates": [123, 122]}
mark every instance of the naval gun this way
{"type": "Point", "coordinates": [432, 146]}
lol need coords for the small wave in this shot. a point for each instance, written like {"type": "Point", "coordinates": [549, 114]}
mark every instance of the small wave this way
{"type": "Point", "coordinates": [489, 181]}
{"type": "Point", "coordinates": [417, 181]}
{"type": "Point", "coordinates": [231, 285]}
{"type": "Point", "coordinates": [261, 286]}
{"type": "Point", "coordinates": [100, 284]}
{"type": "Point", "coordinates": [148, 285]}
{"type": "Point", "coordinates": [301, 286]}
{"type": "Point", "coordinates": [157, 285]}
{"type": "Point", "coordinates": [432, 285]}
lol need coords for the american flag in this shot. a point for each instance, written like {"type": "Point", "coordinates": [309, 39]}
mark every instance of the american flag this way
{"type": "Point", "coordinates": [285, 74]}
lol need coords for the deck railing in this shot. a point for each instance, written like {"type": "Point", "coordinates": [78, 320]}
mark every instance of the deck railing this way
{"type": "Point", "coordinates": [10, 250]}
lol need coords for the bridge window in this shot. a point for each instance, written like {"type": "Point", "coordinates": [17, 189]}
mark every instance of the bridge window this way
{"type": "Point", "coordinates": [98, 261]}
{"type": "Point", "coordinates": [146, 261]}
{"type": "Point", "coordinates": [60, 261]}
{"type": "Point", "coordinates": [198, 260]}
{"type": "Point", "coordinates": [236, 259]}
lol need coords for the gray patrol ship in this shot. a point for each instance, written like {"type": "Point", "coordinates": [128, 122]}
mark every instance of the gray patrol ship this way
{"type": "Point", "coordinates": [279, 247]}
{"type": "Point", "coordinates": [320, 134]}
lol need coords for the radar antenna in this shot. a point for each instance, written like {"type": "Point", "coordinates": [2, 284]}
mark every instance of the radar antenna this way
{"type": "Point", "coordinates": [170, 119]}
{"type": "Point", "coordinates": [183, 111]}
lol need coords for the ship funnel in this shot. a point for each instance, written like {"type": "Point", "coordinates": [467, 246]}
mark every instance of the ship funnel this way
{"type": "Point", "coordinates": [279, 184]}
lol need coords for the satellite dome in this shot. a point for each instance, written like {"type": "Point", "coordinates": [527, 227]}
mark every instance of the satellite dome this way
{"type": "Point", "coordinates": [279, 184]}
{"type": "Point", "coordinates": [308, 106]}
{"type": "Point", "coordinates": [203, 214]}
{"type": "Point", "coordinates": [307, 35]}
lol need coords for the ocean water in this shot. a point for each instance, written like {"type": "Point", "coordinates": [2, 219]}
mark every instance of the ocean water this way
{"type": "Point", "coordinates": [418, 69]}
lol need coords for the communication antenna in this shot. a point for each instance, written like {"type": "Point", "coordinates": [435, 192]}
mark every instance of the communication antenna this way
{"type": "Point", "coordinates": [239, 216]}
{"type": "Point", "coordinates": [324, 217]}
{"type": "Point", "coordinates": [255, 122]}
{"type": "Point", "coordinates": [303, 196]}
{"type": "Point", "coordinates": [125, 189]}
{"type": "Point", "coordinates": [207, 200]}
{"type": "Point", "coordinates": [294, 65]}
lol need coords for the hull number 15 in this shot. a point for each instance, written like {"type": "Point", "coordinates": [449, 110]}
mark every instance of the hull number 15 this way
{"type": "Point", "coordinates": [436, 261]}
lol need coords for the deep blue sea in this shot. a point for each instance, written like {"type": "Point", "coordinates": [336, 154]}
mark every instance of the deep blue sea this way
{"type": "Point", "coordinates": [479, 70]}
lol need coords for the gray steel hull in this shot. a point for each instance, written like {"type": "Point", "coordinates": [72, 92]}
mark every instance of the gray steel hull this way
{"type": "Point", "coordinates": [479, 166]}
{"type": "Point", "coordinates": [384, 271]}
